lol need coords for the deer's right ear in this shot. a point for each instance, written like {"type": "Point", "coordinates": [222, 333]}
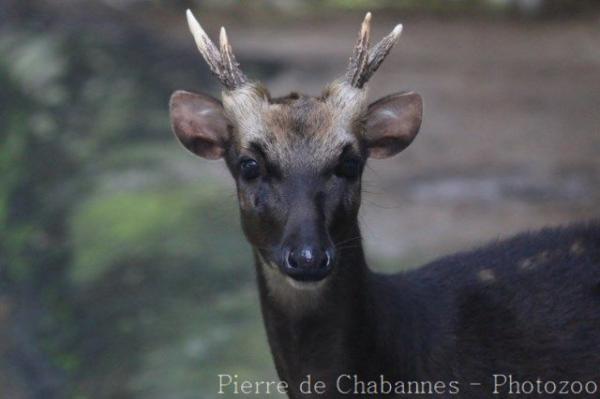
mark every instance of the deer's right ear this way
{"type": "Point", "coordinates": [199, 123]}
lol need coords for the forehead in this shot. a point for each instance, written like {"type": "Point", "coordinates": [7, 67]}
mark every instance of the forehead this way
{"type": "Point", "coordinates": [296, 130]}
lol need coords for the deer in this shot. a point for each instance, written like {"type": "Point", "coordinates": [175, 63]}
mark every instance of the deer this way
{"type": "Point", "coordinates": [513, 315]}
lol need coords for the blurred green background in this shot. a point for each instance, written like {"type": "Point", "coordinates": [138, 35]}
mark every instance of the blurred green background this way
{"type": "Point", "coordinates": [123, 271]}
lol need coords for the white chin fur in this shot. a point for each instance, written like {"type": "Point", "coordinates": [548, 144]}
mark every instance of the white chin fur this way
{"type": "Point", "coordinates": [305, 285]}
{"type": "Point", "coordinates": [296, 297]}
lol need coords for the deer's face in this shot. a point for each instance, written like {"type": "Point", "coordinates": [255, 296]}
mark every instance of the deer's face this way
{"type": "Point", "coordinates": [298, 181]}
{"type": "Point", "coordinates": [297, 161]}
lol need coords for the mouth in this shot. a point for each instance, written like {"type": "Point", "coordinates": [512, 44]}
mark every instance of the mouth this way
{"type": "Point", "coordinates": [304, 276]}
{"type": "Point", "coordinates": [306, 285]}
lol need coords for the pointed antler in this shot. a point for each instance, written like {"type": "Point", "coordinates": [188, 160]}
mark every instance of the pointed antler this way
{"type": "Point", "coordinates": [363, 62]}
{"type": "Point", "coordinates": [221, 62]}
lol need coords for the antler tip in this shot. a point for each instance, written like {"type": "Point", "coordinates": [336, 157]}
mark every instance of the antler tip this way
{"type": "Point", "coordinates": [397, 30]}
{"type": "Point", "coordinates": [190, 17]}
{"type": "Point", "coordinates": [194, 25]}
{"type": "Point", "coordinates": [223, 36]}
{"type": "Point", "coordinates": [365, 28]}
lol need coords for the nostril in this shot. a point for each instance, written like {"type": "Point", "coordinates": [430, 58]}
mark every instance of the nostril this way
{"type": "Point", "coordinates": [327, 260]}
{"type": "Point", "coordinates": [290, 260]}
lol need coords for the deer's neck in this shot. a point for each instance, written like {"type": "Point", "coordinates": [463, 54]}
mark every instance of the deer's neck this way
{"type": "Point", "coordinates": [323, 330]}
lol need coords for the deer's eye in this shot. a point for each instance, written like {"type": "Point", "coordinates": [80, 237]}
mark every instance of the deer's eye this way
{"type": "Point", "coordinates": [348, 168]}
{"type": "Point", "coordinates": [249, 169]}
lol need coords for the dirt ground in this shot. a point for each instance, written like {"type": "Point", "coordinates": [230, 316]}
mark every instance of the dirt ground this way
{"type": "Point", "coordinates": [511, 133]}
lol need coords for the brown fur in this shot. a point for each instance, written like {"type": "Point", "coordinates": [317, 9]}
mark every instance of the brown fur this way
{"type": "Point", "coordinates": [323, 125]}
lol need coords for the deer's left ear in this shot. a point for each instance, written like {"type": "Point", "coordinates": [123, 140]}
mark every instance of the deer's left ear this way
{"type": "Point", "coordinates": [392, 123]}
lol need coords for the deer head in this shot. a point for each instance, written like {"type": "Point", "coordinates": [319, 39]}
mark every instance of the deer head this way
{"type": "Point", "coordinates": [297, 160]}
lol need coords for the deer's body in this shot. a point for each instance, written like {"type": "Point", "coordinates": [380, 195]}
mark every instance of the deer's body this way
{"type": "Point", "coordinates": [528, 307]}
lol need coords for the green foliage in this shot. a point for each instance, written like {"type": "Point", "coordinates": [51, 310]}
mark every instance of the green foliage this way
{"type": "Point", "coordinates": [180, 225]}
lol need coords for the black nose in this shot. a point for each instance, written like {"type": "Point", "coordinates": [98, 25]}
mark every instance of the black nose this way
{"type": "Point", "coordinates": [308, 263]}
